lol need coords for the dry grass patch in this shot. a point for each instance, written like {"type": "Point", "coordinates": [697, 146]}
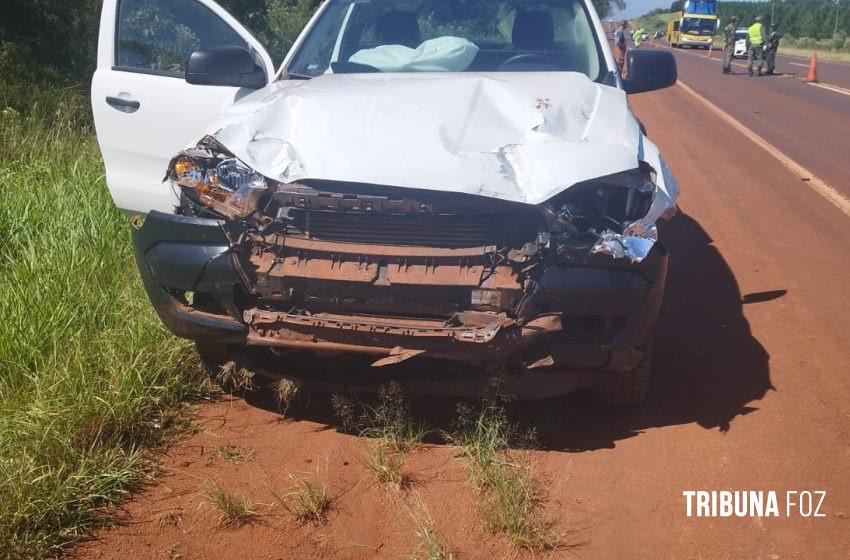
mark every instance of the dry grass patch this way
{"type": "Point", "coordinates": [429, 546]}
{"type": "Point", "coordinates": [171, 518]}
{"type": "Point", "coordinates": [235, 509]}
{"type": "Point", "coordinates": [387, 463]}
{"type": "Point", "coordinates": [286, 394]}
{"type": "Point", "coordinates": [233, 453]}
{"type": "Point", "coordinates": [307, 501]}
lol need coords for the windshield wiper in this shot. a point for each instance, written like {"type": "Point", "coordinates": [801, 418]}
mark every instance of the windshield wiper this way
{"type": "Point", "coordinates": [297, 76]}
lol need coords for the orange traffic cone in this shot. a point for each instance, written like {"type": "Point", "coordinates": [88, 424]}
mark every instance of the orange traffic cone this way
{"type": "Point", "coordinates": [813, 69]}
{"type": "Point", "coordinates": [709, 50]}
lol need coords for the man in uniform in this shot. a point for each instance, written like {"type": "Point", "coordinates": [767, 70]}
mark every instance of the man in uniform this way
{"type": "Point", "coordinates": [755, 53]}
{"type": "Point", "coordinates": [620, 43]}
{"type": "Point", "coordinates": [770, 47]}
{"type": "Point", "coordinates": [729, 44]}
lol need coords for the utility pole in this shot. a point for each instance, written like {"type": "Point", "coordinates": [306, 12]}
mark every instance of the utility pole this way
{"type": "Point", "coordinates": [835, 31]}
{"type": "Point", "coordinates": [772, 6]}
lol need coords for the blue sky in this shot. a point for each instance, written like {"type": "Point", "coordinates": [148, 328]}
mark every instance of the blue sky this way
{"type": "Point", "coordinates": [635, 8]}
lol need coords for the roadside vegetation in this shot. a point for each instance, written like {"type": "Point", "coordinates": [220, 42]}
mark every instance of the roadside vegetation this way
{"type": "Point", "coordinates": [509, 496]}
{"type": "Point", "coordinates": [389, 430]}
{"type": "Point", "coordinates": [89, 378]}
{"type": "Point", "coordinates": [308, 500]}
{"type": "Point", "coordinates": [234, 508]}
{"type": "Point", "coordinates": [429, 545]}
{"type": "Point", "coordinates": [233, 453]}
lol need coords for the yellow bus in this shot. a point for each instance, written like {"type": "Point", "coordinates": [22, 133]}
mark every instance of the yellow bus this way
{"type": "Point", "coordinates": [692, 23]}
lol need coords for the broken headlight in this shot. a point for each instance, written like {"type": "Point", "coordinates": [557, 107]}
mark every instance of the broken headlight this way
{"type": "Point", "coordinates": [214, 178]}
{"type": "Point", "coordinates": [606, 215]}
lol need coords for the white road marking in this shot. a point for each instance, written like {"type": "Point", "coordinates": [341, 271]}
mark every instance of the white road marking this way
{"type": "Point", "coordinates": [799, 64]}
{"type": "Point", "coordinates": [830, 87]}
{"type": "Point", "coordinates": [818, 185]}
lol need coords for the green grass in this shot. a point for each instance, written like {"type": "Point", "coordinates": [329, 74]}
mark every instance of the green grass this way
{"type": "Point", "coordinates": [89, 379]}
{"type": "Point", "coordinates": [308, 501]}
{"type": "Point", "coordinates": [429, 546]}
{"type": "Point", "coordinates": [509, 497]}
{"type": "Point", "coordinates": [388, 420]}
{"type": "Point", "coordinates": [389, 429]}
{"type": "Point", "coordinates": [234, 509]}
{"type": "Point", "coordinates": [834, 56]}
{"type": "Point", "coordinates": [387, 464]}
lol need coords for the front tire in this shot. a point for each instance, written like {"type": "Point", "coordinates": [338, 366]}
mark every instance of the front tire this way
{"type": "Point", "coordinates": [627, 387]}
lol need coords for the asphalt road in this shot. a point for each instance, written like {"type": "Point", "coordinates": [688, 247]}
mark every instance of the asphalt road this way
{"type": "Point", "coordinates": [810, 124]}
{"type": "Point", "coordinates": [833, 73]}
{"type": "Point", "coordinates": [750, 389]}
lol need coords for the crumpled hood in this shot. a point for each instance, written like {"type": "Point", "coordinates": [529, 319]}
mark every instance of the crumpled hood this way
{"type": "Point", "coordinates": [522, 137]}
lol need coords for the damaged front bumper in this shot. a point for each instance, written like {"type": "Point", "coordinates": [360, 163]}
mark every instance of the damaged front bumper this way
{"type": "Point", "coordinates": [592, 316]}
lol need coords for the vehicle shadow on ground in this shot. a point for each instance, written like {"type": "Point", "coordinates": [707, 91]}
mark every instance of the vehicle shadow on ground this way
{"type": "Point", "coordinates": [708, 366]}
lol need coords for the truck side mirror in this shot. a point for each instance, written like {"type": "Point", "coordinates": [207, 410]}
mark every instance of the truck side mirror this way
{"type": "Point", "coordinates": [649, 70]}
{"type": "Point", "coordinates": [229, 65]}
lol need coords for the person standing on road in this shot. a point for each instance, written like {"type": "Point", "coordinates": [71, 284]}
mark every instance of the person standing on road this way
{"type": "Point", "coordinates": [771, 47]}
{"type": "Point", "coordinates": [755, 53]}
{"type": "Point", "coordinates": [637, 36]}
{"type": "Point", "coordinates": [620, 44]}
{"type": "Point", "coordinates": [729, 44]}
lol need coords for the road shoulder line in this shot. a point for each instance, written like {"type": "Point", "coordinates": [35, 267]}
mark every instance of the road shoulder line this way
{"type": "Point", "coordinates": [831, 87]}
{"type": "Point", "coordinates": [833, 196]}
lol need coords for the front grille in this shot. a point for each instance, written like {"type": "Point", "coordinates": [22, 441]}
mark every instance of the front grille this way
{"type": "Point", "coordinates": [447, 231]}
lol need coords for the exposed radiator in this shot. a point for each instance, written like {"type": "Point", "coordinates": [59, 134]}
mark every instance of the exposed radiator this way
{"type": "Point", "coordinates": [450, 231]}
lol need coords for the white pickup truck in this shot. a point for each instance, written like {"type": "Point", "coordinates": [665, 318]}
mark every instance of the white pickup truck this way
{"type": "Point", "coordinates": [456, 180]}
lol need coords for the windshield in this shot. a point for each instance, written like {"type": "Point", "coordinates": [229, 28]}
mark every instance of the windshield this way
{"type": "Point", "coordinates": [698, 26]}
{"type": "Point", "coordinates": [450, 36]}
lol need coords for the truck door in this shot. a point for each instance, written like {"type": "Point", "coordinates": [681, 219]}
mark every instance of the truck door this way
{"type": "Point", "coordinates": [144, 110]}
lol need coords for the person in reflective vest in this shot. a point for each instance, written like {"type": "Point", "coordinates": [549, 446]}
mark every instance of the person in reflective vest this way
{"type": "Point", "coordinates": [755, 53]}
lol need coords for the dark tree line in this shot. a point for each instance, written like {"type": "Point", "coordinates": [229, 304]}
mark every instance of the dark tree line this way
{"type": "Point", "coordinates": [800, 18]}
{"type": "Point", "coordinates": [55, 41]}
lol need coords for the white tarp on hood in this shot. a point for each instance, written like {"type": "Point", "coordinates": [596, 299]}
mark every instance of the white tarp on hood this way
{"type": "Point", "coordinates": [522, 136]}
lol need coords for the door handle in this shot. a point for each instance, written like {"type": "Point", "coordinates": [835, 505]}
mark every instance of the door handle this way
{"type": "Point", "coordinates": [123, 105]}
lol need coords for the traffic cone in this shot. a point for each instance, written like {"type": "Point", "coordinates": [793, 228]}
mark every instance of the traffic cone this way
{"type": "Point", "coordinates": [813, 69]}
{"type": "Point", "coordinates": [710, 46]}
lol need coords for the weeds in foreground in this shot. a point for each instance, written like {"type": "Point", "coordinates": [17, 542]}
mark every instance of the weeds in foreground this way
{"type": "Point", "coordinates": [235, 509]}
{"type": "Point", "coordinates": [308, 501]}
{"type": "Point", "coordinates": [234, 378]}
{"type": "Point", "coordinates": [509, 497]}
{"type": "Point", "coordinates": [389, 429]}
{"type": "Point", "coordinates": [389, 420]}
{"type": "Point", "coordinates": [233, 453]}
{"type": "Point", "coordinates": [387, 463]}
{"type": "Point", "coordinates": [286, 392]}
{"type": "Point", "coordinates": [429, 547]}
{"type": "Point", "coordinates": [171, 518]}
